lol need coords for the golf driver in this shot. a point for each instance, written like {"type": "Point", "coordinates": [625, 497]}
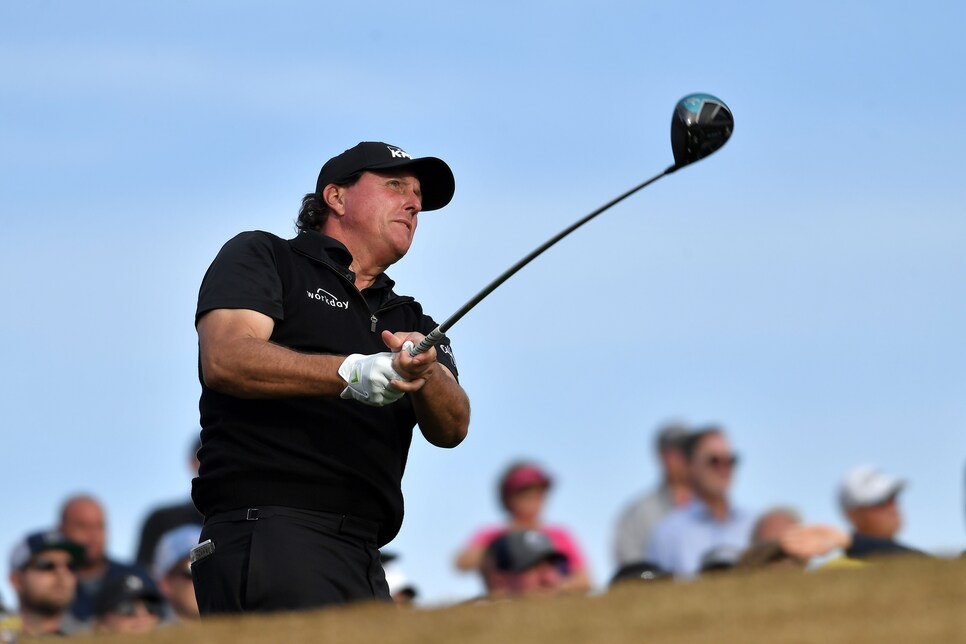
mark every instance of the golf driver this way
{"type": "Point", "coordinates": [700, 125]}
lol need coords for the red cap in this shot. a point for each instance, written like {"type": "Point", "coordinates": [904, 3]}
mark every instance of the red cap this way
{"type": "Point", "coordinates": [520, 477]}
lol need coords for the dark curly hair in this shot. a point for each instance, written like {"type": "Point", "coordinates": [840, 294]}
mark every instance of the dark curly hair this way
{"type": "Point", "coordinates": [314, 210]}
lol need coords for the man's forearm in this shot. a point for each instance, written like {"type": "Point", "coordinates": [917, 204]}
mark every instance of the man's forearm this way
{"type": "Point", "coordinates": [256, 368]}
{"type": "Point", "coordinates": [442, 409]}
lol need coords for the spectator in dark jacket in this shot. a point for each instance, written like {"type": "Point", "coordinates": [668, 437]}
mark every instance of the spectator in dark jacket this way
{"type": "Point", "coordinates": [83, 521]}
{"type": "Point", "coordinates": [869, 499]}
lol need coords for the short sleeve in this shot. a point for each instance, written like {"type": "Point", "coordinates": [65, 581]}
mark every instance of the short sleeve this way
{"type": "Point", "coordinates": [244, 275]}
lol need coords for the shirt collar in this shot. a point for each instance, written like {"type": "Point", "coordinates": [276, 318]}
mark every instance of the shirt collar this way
{"type": "Point", "coordinates": [697, 508]}
{"type": "Point", "coordinates": [334, 253]}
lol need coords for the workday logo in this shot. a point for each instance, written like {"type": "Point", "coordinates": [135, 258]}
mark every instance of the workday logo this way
{"type": "Point", "coordinates": [322, 295]}
{"type": "Point", "coordinates": [398, 153]}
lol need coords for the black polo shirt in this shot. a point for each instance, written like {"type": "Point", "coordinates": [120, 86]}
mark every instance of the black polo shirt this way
{"type": "Point", "coordinates": [315, 452]}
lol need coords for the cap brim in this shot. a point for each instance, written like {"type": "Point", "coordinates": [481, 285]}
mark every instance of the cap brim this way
{"type": "Point", "coordinates": [436, 180]}
{"type": "Point", "coordinates": [887, 494]}
{"type": "Point", "coordinates": [77, 552]}
{"type": "Point", "coordinates": [553, 556]}
{"type": "Point", "coordinates": [893, 490]}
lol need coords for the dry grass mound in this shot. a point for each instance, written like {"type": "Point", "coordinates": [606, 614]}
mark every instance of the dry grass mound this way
{"type": "Point", "coordinates": [899, 601]}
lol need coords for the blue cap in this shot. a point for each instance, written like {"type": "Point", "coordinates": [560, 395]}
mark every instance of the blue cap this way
{"type": "Point", "coordinates": [174, 545]}
{"type": "Point", "coordinates": [38, 542]}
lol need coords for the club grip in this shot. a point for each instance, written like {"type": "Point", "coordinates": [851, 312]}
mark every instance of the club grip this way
{"type": "Point", "coordinates": [428, 342]}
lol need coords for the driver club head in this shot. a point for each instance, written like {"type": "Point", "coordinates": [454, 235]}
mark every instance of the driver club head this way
{"type": "Point", "coordinates": [700, 125]}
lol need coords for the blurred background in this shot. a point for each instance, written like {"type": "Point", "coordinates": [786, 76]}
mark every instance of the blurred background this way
{"type": "Point", "coordinates": [804, 287]}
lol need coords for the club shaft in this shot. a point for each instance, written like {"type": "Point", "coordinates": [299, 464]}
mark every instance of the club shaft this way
{"type": "Point", "coordinates": [437, 334]}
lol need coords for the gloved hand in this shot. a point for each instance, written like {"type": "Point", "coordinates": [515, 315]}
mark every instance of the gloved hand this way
{"type": "Point", "coordinates": [368, 379]}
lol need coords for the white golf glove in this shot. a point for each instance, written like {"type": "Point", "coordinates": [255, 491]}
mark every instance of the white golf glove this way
{"type": "Point", "coordinates": [368, 379]}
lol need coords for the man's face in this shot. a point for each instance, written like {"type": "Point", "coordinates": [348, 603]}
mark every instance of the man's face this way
{"type": "Point", "coordinates": [178, 588]}
{"type": "Point", "coordinates": [675, 465]}
{"type": "Point", "coordinates": [773, 526]}
{"type": "Point", "coordinates": [131, 616]}
{"type": "Point", "coordinates": [46, 585]}
{"type": "Point", "coordinates": [526, 505]}
{"type": "Point", "coordinates": [711, 467]}
{"type": "Point", "coordinates": [882, 520]}
{"type": "Point", "coordinates": [542, 580]}
{"type": "Point", "coordinates": [83, 522]}
{"type": "Point", "coordinates": [379, 214]}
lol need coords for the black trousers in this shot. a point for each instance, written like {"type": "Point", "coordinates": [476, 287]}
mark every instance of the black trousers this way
{"type": "Point", "coordinates": [279, 559]}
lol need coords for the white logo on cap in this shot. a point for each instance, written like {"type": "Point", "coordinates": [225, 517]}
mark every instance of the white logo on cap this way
{"type": "Point", "coordinates": [134, 583]}
{"type": "Point", "coordinates": [398, 153]}
{"type": "Point", "coordinates": [535, 539]}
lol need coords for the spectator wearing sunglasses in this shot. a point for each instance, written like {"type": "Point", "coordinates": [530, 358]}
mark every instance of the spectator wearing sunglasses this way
{"type": "Point", "coordinates": [172, 570]}
{"type": "Point", "coordinates": [128, 604]}
{"type": "Point", "coordinates": [709, 520]}
{"type": "Point", "coordinates": [42, 574]}
{"type": "Point", "coordinates": [523, 490]}
{"type": "Point", "coordinates": [523, 563]}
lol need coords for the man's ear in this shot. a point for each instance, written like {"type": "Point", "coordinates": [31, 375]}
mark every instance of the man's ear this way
{"type": "Point", "coordinates": [334, 198]}
{"type": "Point", "coordinates": [15, 580]}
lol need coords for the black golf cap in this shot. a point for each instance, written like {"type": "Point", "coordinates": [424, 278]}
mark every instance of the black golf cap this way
{"type": "Point", "coordinates": [521, 550]}
{"type": "Point", "coordinates": [435, 178]}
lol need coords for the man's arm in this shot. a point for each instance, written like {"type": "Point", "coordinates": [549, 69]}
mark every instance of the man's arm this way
{"type": "Point", "coordinates": [442, 407]}
{"type": "Point", "coordinates": [238, 359]}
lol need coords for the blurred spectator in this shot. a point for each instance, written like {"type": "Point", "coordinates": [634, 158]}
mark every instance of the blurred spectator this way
{"type": "Point", "coordinates": [167, 517]}
{"type": "Point", "coordinates": [766, 549]}
{"type": "Point", "coordinates": [523, 491]}
{"type": "Point", "coordinates": [172, 570]}
{"type": "Point", "coordinates": [82, 520]}
{"type": "Point", "coordinates": [42, 575]}
{"type": "Point", "coordinates": [708, 520]}
{"type": "Point", "coordinates": [869, 499]}
{"type": "Point", "coordinates": [771, 553]}
{"type": "Point", "coordinates": [523, 563]}
{"type": "Point", "coordinates": [128, 604]}
{"type": "Point", "coordinates": [773, 523]}
{"type": "Point", "coordinates": [637, 572]}
{"type": "Point", "coordinates": [637, 521]}
{"type": "Point", "coordinates": [401, 589]}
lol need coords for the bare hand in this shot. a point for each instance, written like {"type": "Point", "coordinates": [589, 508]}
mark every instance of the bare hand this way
{"type": "Point", "coordinates": [415, 371]}
{"type": "Point", "coordinates": [813, 540]}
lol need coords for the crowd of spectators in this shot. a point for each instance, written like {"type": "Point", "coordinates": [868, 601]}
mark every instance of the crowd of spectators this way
{"type": "Point", "coordinates": [685, 528]}
{"type": "Point", "coordinates": [66, 583]}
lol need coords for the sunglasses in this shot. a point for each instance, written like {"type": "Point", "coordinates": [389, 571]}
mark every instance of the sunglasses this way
{"type": "Point", "coordinates": [129, 607]}
{"type": "Point", "coordinates": [46, 565]}
{"type": "Point", "coordinates": [722, 461]}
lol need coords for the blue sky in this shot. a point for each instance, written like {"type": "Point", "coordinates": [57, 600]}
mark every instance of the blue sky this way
{"type": "Point", "coordinates": [803, 287]}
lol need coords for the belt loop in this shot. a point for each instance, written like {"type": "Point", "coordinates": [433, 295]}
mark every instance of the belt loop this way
{"type": "Point", "coordinates": [252, 514]}
{"type": "Point", "coordinates": [342, 523]}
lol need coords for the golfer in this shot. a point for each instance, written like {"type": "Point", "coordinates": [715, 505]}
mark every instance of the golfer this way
{"type": "Point", "coordinates": [309, 398]}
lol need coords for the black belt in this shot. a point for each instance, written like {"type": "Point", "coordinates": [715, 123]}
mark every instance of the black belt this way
{"type": "Point", "coordinates": [341, 523]}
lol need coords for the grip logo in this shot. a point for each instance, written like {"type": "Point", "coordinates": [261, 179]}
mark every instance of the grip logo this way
{"type": "Point", "coordinates": [448, 350]}
{"type": "Point", "coordinates": [322, 295]}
